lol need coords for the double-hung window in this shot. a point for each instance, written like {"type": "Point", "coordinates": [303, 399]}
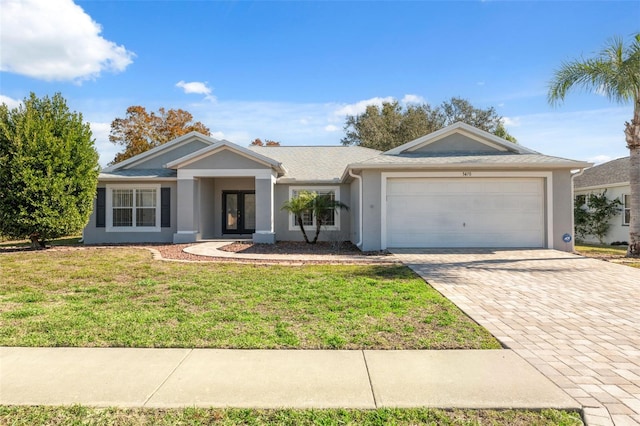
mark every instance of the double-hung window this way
{"type": "Point", "coordinates": [331, 223]}
{"type": "Point", "coordinates": [626, 216]}
{"type": "Point", "coordinates": [133, 208]}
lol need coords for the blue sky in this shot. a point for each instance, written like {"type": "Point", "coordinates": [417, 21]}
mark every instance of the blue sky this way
{"type": "Point", "coordinates": [291, 71]}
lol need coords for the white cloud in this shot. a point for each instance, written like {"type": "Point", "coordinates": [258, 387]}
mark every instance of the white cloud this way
{"type": "Point", "coordinates": [360, 106]}
{"type": "Point", "coordinates": [105, 148]}
{"type": "Point", "coordinates": [217, 135]}
{"type": "Point", "coordinates": [599, 159]}
{"type": "Point", "coordinates": [511, 121]}
{"type": "Point", "coordinates": [196, 87]}
{"type": "Point", "coordinates": [579, 135]}
{"type": "Point", "coordinates": [11, 103]}
{"type": "Point", "coordinates": [55, 40]}
{"type": "Point", "coordinates": [331, 128]}
{"type": "Point", "coordinates": [413, 99]}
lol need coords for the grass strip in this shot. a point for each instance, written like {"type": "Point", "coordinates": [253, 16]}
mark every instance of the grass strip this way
{"type": "Point", "coordinates": [80, 415]}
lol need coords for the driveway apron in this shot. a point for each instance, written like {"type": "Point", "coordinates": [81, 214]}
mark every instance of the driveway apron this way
{"type": "Point", "coordinates": [576, 320]}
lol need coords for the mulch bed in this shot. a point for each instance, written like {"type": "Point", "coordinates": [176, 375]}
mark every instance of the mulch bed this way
{"type": "Point", "coordinates": [292, 247]}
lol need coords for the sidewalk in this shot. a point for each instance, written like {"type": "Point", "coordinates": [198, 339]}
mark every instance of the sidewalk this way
{"type": "Point", "coordinates": [366, 379]}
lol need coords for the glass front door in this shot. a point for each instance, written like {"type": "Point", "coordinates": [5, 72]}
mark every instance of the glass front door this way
{"type": "Point", "coordinates": [239, 212]}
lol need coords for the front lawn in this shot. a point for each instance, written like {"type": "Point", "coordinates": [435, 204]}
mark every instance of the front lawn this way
{"type": "Point", "coordinates": [611, 253]}
{"type": "Point", "coordinates": [19, 416]}
{"type": "Point", "coordinates": [595, 249]}
{"type": "Point", "coordinates": [120, 297]}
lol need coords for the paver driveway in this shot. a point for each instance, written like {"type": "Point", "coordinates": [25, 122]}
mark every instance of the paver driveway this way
{"type": "Point", "coordinates": [577, 320]}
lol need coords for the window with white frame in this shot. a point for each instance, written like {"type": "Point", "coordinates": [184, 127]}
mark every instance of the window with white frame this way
{"type": "Point", "coordinates": [626, 217]}
{"type": "Point", "coordinates": [133, 208]}
{"type": "Point", "coordinates": [308, 220]}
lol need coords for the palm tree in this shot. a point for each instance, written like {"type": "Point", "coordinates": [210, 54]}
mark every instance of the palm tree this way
{"type": "Point", "coordinates": [298, 206]}
{"type": "Point", "coordinates": [323, 207]}
{"type": "Point", "coordinates": [320, 206]}
{"type": "Point", "coordinates": [614, 72]}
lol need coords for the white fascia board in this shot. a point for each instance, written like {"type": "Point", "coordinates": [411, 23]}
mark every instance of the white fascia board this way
{"type": "Point", "coordinates": [153, 152]}
{"type": "Point", "coordinates": [202, 173]}
{"type": "Point", "coordinates": [516, 166]}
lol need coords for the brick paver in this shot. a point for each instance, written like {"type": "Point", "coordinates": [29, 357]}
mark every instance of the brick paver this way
{"type": "Point", "coordinates": [577, 320]}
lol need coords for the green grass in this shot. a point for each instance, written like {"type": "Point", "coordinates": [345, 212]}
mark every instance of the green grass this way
{"type": "Point", "coordinates": [594, 249]}
{"type": "Point", "coordinates": [78, 415]}
{"type": "Point", "coordinates": [120, 297]}
{"type": "Point", "coordinates": [614, 253]}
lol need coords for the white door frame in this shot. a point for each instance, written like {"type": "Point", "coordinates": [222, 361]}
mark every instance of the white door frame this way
{"type": "Point", "coordinates": [548, 208]}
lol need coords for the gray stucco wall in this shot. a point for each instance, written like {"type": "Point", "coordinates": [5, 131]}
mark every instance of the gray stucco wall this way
{"type": "Point", "coordinates": [225, 159]}
{"type": "Point", "coordinates": [354, 212]}
{"type": "Point", "coordinates": [94, 235]}
{"type": "Point", "coordinates": [166, 157]}
{"type": "Point", "coordinates": [282, 217]}
{"type": "Point", "coordinates": [371, 210]}
{"type": "Point", "coordinates": [562, 209]}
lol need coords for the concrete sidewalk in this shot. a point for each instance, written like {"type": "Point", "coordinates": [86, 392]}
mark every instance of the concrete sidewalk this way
{"type": "Point", "coordinates": [274, 378]}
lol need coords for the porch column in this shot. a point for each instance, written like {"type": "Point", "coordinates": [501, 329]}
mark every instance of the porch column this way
{"type": "Point", "coordinates": [265, 229]}
{"type": "Point", "coordinates": [187, 209]}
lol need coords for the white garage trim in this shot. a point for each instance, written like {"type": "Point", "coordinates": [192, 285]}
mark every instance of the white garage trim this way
{"type": "Point", "coordinates": [548, 208]}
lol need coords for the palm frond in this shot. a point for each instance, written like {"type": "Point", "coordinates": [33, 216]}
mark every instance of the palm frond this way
{"type": "Point", "coordinates": [614, 73]}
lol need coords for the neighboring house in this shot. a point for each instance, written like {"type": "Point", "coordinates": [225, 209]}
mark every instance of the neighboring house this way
{"type": "Point", "coordinates": [457, 187]}
{"type": "Point", "coordinates": [613, 177]}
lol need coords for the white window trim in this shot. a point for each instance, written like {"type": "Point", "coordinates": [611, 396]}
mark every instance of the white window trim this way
{"type": "Point", "coordinates": [625, 208]}
{"type": "Point", "coordinates": [109, 209]}
{"type": "Point", "coordinates": [293, 226]}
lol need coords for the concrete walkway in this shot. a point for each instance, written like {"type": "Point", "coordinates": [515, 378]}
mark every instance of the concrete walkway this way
{"type": "Point", "coordinates": [211, 249]}
{"type": "Point", "coordinates": [577, 320]}
{"type": "Point", "coordinates": [164, 378]}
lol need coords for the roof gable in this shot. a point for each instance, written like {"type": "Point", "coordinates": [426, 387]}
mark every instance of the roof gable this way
{"type": "Point", "coordinates": [459, 139]}
{"type": "Point", "coordinates": [204, 158]}
{"type": "Point", "coordinates": [170, 151]}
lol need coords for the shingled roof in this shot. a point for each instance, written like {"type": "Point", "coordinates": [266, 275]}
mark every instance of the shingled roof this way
{"type": "Point", "coordinates": [612, 172]}
{"type": "Point", "coordinates": [315, 163]}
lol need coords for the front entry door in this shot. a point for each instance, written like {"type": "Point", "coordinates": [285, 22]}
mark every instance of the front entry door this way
{"type": "Point", "coordinates": [238, 212]}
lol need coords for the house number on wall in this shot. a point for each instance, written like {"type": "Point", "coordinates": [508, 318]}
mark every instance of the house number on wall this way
{"type": "Point", "coordinates": [467, 174]}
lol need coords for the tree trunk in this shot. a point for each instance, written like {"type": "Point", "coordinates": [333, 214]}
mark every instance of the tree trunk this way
{"type": "Point", "coordinates": [36, 242]}
{"type": "Point", "coordinates": [632, 133]}
{"type": "Point", "coordinates": [304, 234]}
{"type": "Point", "coordinates": [318, 229]}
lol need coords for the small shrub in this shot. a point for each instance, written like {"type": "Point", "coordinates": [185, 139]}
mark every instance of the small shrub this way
{"type": "Point", "coordinates": [591, 215]}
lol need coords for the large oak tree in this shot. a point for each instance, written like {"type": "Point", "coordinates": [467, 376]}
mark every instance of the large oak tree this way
{"type": "Point", "coordinates": [140, 130]}
{"type": "Point", "coordinates": [389, 125]}
{"type": "Point", "coordinates": [614, 72]}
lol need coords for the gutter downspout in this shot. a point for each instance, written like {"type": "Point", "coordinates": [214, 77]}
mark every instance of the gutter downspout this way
{"type": "Point", "coordinates": [359, 243]}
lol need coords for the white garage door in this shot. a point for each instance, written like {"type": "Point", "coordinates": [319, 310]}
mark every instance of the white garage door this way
{"type": "Point", "coordinates": [465, 212]}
